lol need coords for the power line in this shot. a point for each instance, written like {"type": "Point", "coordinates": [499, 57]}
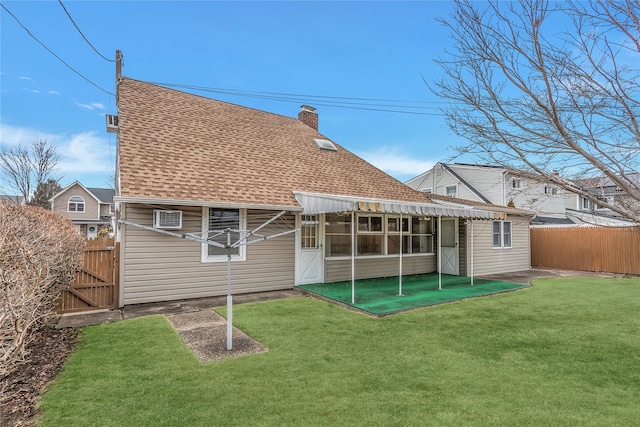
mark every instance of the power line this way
{"type": "Point", "coordinates": [83, 36]}
{"type": "Point", "coordinates": [327, 101]}
{"type": "Point", "coordinates": [53, 53]}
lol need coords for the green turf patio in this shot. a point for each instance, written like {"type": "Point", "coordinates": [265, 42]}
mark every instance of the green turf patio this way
{"type": "Point", "coordinates": [379, 296]}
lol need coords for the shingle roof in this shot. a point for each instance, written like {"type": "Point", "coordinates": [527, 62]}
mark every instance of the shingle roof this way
{"type": "Point", "coordinates": [105, 195]}
{"type": "Point", "coordinates": [178, 146]}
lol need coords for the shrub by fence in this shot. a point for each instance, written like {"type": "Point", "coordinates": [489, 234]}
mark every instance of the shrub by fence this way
{"type": "Point", "coordinates": [601, 249]}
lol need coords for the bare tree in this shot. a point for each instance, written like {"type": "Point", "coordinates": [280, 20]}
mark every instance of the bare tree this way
{"type": "Point", "coordinates": [550, 90]}
{"type": "Point", "coordinates": [24, 168]}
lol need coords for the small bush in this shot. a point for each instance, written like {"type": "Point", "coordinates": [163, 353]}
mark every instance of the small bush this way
{"type": "Point", "coordinates": [40, 252]}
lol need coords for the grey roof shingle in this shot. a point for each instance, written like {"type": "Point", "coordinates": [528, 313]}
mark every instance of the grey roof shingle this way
{"type": "Point", "coordinates": [105, 195]}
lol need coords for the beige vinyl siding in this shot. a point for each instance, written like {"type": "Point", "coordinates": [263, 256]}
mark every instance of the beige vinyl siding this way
{"type": "Point", "coordinates": [489, 260]}
{"type": "Point", "coordinates": [60, 204]}
{"type": "Point", "coordinates": [164, 268]}
{"type": "Point", "coordinates": [488, 181]}
{"type": "Point", "coordinates": [104, 209]}
{"type": "Point", "coordinates": [337, 270]}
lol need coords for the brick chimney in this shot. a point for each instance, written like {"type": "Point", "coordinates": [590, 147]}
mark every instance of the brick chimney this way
{"type": "Point", "coordinates": [308, 116]}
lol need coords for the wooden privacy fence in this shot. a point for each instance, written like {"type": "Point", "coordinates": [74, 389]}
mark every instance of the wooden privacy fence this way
{"type": "Point", "coordinates": [601, 249]}
{"type": "Point", "coordinates": [95, 287]}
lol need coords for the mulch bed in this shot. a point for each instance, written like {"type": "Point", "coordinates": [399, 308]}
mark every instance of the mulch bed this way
{"type": "Point", "coordinates": [23, 388]}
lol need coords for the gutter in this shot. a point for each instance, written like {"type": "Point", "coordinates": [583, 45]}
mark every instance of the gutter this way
{"type": "Point", "coordinates": [205, 203]}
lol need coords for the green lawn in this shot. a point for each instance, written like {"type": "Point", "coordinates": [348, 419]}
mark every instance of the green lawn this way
{"type": "Point", "coordinates": [563, 352]}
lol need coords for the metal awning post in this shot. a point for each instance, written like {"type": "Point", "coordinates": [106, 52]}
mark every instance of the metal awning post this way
{"type": "Point", "coordinates": [439, 253]}
{"type": "Point", "coordinates": [353, 258]}
{"type": "Point", "coordinates": [471, 252]}
{"type": "Point", "coordinates": [401, 244]}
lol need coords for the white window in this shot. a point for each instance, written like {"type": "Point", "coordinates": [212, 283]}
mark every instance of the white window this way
{"type": "Point", "coordinates": [515, 183]}
{"type": "Point", "coordinates": [393, 235]}
{"type": "Point", "coordinates": [369, 236]}
{"type": "Point", "coordinates": [586, 203]}
{"type": "Point", "coordinates": [378, 235]}
{"type": "Point", "coordinates": [76, 204]}
{"type": "Point", "coordinates": [502, 234]}
{"type": "Point", "coordinates": [427, 190]}
{"type": "Point", "coordinates": [421, 235]}
{"type": "Point", "coordinates": [451, 190]}
{"type": "Point", "coordinates": [309, 231]}
{"type": "Point", "coordinates": [338, 235]}
{"type": "Point", "coordinates": [215, 222]}
{"type": "Point", "coordinates": [112, 209]}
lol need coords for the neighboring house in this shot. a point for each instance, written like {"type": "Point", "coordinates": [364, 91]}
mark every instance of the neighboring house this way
{"type": "Point", "coordinates": [13, 199]}
{"type": "Point", "coordinates": [185, 161]}
{"type": "Point", "coordinates": [90, 209]}
{"type": "Point", "coordinates": [603, 188]}
{"type": "Point", "coordinates": [495, 185]}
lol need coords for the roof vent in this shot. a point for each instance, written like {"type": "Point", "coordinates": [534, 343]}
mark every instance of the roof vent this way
{"type": "Point", "coordinates": [112, 123]}
{"type": "Point", "coordinates": [325, 144]}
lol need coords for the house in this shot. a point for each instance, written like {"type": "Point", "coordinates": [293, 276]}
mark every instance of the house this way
{"type": "Point", "coordinates": [602, 188]}
{"type": "Point", "coordinates": [90, 209]}
{"type": "Point", "coordinates": [187, 163]}
{"type": "Point", "coordinates": [13, 199]}
{"type": "Point", "coordinates": [496, 185]}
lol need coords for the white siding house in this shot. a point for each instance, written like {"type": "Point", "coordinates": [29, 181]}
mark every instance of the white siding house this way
{"type": "Point", "coordinates": [495, 185]}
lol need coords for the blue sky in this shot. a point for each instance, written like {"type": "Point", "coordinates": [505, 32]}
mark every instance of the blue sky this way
{"type": "Point", "coordinates": [376, 50]}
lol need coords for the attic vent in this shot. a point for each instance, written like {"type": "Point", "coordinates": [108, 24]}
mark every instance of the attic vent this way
{"type": "Point", "coordinates": [167, 219]}
{"type": "Point", "coordinates": [112, 123]}
{"type": "Point", "coordinates": [325, 144]}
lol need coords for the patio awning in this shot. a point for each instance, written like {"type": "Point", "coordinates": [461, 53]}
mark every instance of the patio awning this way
{"type": "Point", "coordinates": [315, 203]}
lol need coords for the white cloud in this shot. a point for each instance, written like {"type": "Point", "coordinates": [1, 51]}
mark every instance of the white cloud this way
{"type": "Point", "coordinates": [12, 136]}
{"type": "Point", "coordinates": [24, 78]}
{"type": "Point", "coordinates": [92, 106]}
{"type": "Point", "coordinates": [54, 92]}
{"type": "Point", "coordinates": [84, 152]}
{"type": "Point", "coordinates": [396, 163]}
{"type": "Point", "coordinates": [36, 91]}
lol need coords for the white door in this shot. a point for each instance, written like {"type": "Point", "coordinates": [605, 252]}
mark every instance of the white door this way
{"type": "Point", "coordinates": [311, 257]}
{"type": "Point", "coordinates": [92, 231]}
{"type": "Point", "coordinates": [449, 246]}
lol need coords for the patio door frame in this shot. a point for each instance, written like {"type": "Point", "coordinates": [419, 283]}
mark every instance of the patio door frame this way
{"type": "Point", "coordinates": [450, 252]}
{"type": "Point", "coordinates": [310, 261]}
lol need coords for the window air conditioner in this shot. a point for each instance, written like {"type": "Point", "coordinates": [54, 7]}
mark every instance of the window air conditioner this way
{"type": "Point", "coordinates": [112, 123]}
{"type": "Point", "coordinates": [167, 219]}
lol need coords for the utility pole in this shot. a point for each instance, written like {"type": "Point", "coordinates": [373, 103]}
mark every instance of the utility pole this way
{"type": "Point", "coordinates": [119, 65]}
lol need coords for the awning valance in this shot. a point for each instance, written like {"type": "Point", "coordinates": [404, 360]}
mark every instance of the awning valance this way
{"type": "Point", "coordinates": [314, 203]}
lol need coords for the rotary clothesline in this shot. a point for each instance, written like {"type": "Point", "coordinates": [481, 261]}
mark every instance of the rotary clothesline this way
{"type": "Point", "coordinates": [222, 227]}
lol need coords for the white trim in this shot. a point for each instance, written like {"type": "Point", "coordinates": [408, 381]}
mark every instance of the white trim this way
{"type": "Point", "coordinates": [204, 250]}
{"type": "Point", "coordinates": [69, 186]}
{"type": "Point", "coordinates": [446, 188]}
{"type": "Point", "coordinates": [502, 245]}
{"type": "Point", "coordinates": [84, 205]}
{"type": "Point", "coordinates": [203, 203]}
